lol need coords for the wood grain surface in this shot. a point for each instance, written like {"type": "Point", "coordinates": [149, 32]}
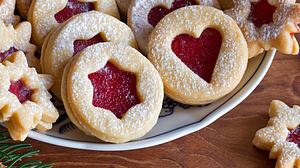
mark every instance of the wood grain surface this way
{"type": "Point", "coordinates": [226, 143]}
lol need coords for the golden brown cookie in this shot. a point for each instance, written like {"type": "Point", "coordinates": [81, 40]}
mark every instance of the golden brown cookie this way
{"type": "Point", "coordinates": [45, 15]}
{"type": "Point", "coordinates": [282, 135]}
{"type": "Point", "coordinates": [24, 100]}
{"type": "Point", "coordinates": [79, 32]}
{"type": "Point", "coordinates": [113, 92]}
{"type": "Point", "coordinates": [200, 53]}
{"type": "Point", "coordinates": [143, 15]}
{"type": "Point", "coordinates": [268, 24]}
{"type": "Point", "coordinates": [18, 39]}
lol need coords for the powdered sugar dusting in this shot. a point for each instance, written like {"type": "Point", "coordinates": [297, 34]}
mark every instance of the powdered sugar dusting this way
{"type": "Point", "coordinates": [178, 78]}
{"type": "Point", "coordinates": [273, 137]}
{"type": "Point", "coordinates": [138, 17]}
{"type": "Point", "coordinates": [103, 123]}
{"type": "Point", "coordinates": [240, 13]}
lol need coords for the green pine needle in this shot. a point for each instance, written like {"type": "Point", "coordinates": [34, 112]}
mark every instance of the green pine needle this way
{"type": "Point", "coordinates": [12, 154]}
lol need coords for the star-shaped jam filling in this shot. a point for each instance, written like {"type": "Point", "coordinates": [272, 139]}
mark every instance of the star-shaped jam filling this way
{"type": "Point", "coordinates": [261, 13]}
{"type": "Point", "coordinates": [20, 89]}
{"type": "Point", "coordinates": [114, 89]}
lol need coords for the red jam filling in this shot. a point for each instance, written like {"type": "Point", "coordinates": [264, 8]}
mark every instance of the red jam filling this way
{"type": "Point", "coordinates": [114, 89]}
{"type": "Point", "coordinates": [19, 89]}
{"type": "Point", "coordinates": [261, 13]}
{"type": "Point", "coordinates": [7, 53]}
{"type": "Point", "coordinates": [159, 12]}
{"type": "Point", "coordinates": [199, 54]}
{"type": "Point", "coordinates": [294, 136]}
{"type": "Point", "coordinates": [80, 45]}
{"type": "Point", "coordinates": [74, 7]}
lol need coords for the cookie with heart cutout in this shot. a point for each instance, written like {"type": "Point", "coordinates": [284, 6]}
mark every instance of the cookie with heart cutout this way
{"type": "Point", "coordinates": [7, 9]}
{"type": "Point", "coordinates": [143, 15]}
{"type": "Point", "coordinates": [200, 53]}
{"type": "Point", "coordinates": [46, 15]}
{"type": "Point", "coordinates": [15, 39]}
{"type": "Point", "coordinates": [23, 7]}
{"type": "Point", "coordinates": [76, 34]}
{"type": "Point", "coordinates": [282, 135]}
{"type": "Point", "coordinates": [24, 100]}
{"type": "Point", "coordinates": [268, 24]}
{"type": "Point", "coordinates": [113, 92]}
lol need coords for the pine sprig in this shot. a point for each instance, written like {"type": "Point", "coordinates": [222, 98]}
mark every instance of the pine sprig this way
{"type": "Point", "coordinates": [13, 154]}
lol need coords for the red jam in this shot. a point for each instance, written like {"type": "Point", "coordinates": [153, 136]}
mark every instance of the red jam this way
{"type": "Point", "coordinates": [294, 136]}
{"type": "Point", "coordinates": [261, 13]}
{"type": "Point", "coordinates": [74, 7]}
{"type": "Point", "coordinates": [159, 12]}
{"type": "Point", "coordinates": [80, 45]}
{"type": "Point", "coordinates": [199, 54]}
{"type": "Point", "coordinates": [7, 53]}
{"type": "Point", "coordinates": [19, 89]}
{"type": "Point", "coordinates": [114, 89]}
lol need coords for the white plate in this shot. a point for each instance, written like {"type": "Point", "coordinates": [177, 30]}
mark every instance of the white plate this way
{"type": "Point", "coordinates": [176, 120]}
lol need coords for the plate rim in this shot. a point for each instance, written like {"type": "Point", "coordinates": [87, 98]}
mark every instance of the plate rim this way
{"type": "Point", "coordinates": [165, 137]}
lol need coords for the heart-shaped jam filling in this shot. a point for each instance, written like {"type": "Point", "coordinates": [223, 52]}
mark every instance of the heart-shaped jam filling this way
{"type": "Point", "coordinates": [261, 13]}
{"type": "Point", "coordinates": [199, 54]}
{"type": "Point", "coordinates": [7, 53]}
{"type": "Point", "coordinates": [114, 89]}
{"type": "Point", "coordinates": [73, 7]}
{"type": "Point", "coordinates": [80, 45]}
{"type": "Point", "coordinates": [159, 12]}
{"type": "Point", "coordinates": [294, 136]}
{"type": "Point", "coordinates": [19, 89]}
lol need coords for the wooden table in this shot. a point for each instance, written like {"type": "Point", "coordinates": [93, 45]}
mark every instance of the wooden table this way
{"type": "Point", "coordinates": [226, 143]}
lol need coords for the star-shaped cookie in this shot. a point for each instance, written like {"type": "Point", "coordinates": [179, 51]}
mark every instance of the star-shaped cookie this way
{"type": "Point", "coordinates": [17, 38]}
{"type": "Point", "coordinates": [24, 99]}
{"type": "Point", "coordinates": [282, 135]}
{"type": "Point", "coordinates": [268, 24]}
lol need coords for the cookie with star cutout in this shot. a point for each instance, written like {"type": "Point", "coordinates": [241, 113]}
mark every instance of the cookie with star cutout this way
{"type": "Point", "coordinates": [7, 9]}
{"type": "Point", "coordinates": [268, 24]}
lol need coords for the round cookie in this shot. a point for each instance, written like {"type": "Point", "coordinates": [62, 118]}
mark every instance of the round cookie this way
{"type": "Point", "coordinates": [46, 15]}
{"type": "Point", "coordinates": [200, 53]}
{"type": "Point", "coordinates": [73, 36]}
{"type": "Point", "coordinates": [268, 24]}
{"type": "Point", "coordinates": [105, 112]}
{"type": "Point", "coordinates": [143, 15]}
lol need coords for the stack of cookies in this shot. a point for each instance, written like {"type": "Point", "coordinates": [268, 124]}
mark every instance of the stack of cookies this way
{"type": "Point", "coordinates": [112, 76]}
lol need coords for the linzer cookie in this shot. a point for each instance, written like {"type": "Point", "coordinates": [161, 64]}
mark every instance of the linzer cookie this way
{"type": "Point", "coordinates": [200, 53]}
{"type": "Point", "coordinates": [46, 15]}
{"type": "Point", "coordinates": [143, 15]}
{"type": "Point", "coordinates": [268, 24]}
{"type": "Point", "coordinates": [282, 135]}
{"type": "Point", "coordinates": [24, 100]}
{"type": "Point", "coordinates": [113, 92]}
{"type": "Point", "coordinates": [17, 39]}
{"type": "Point", "coordinates": [78, 33]}
{"type": "Point", "coordinates": [7, 9]}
